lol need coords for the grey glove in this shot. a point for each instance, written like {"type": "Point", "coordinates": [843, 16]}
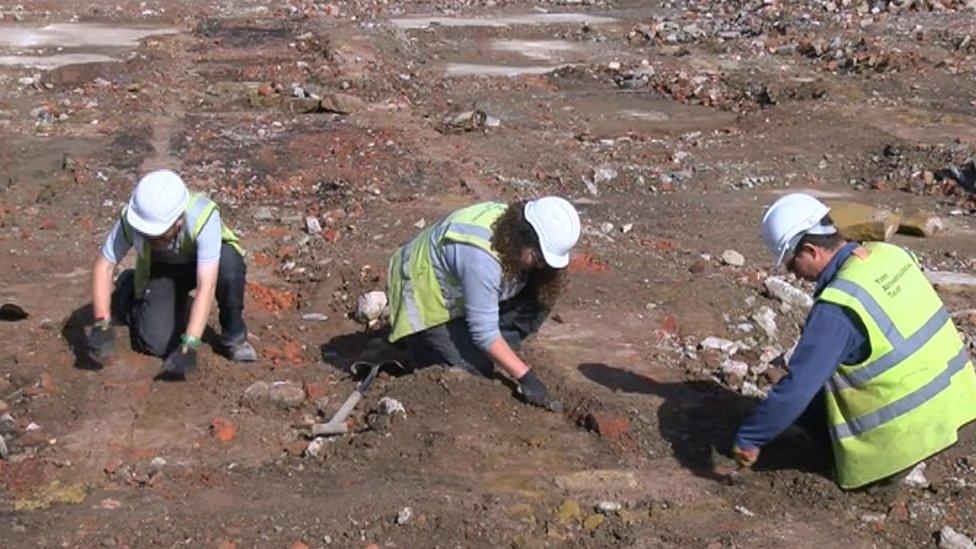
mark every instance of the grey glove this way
{"type": "Point", "coordinates": [534, 392]}
{"type": "Point", "coordinates": [179, 363]}
{"type": "Point", "coordinates": [101, 341]}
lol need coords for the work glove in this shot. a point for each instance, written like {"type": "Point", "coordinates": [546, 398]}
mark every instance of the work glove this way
{"type": "Point", "coordinates": [745, 457]}
{"type": "Point", "coordinates": [534, 392]}
{"type": "Point", "coordinates": [101, 341]}
{"type": "Point", "coordinates": [179, 363]}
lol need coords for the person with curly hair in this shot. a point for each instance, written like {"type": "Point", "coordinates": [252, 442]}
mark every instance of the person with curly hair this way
{"type": "Point", "coordinates": [468, 290]}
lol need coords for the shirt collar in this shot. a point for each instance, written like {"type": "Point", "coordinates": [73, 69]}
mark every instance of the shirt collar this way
{"type": "Point", "coordinates": [830, 271]}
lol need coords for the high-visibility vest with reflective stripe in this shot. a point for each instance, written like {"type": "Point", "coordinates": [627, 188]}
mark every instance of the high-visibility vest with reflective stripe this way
{"type": "Point", "coordinates": [917, 387]}
{"type": "Point", "coordinates": [418, 300]}
{"type": "Point", "coordinates": [198, 211]}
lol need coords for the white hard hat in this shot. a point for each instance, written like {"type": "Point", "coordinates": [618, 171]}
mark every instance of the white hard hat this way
{"type": "Point", "coordinates": [159, 198]}
{"type": "Point", "coordinates": [557, 225]}
{"type": "Point", "coordinates": [791, 217]}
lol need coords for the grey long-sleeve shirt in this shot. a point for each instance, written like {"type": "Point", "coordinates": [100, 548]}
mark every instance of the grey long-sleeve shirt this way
{"type": "Point", "coordinates": [208, 244]}
{"type": "Point", "coordinates": [481, 286]}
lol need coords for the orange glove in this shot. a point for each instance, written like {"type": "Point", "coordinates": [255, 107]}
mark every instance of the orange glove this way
{"type": "Point", "coordinates": [745, 458]}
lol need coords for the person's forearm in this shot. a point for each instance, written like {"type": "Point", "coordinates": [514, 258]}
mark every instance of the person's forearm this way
{"type": "Point", "coordinates": [200, 310]}
{"type": "Point", "coordinates": [102, 287]}
{"type": "Point", "coordinates": [505, 357]}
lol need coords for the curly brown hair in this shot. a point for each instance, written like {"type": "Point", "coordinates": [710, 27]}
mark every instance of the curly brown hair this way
{"type": "Point", "coordinates": [510, 233]}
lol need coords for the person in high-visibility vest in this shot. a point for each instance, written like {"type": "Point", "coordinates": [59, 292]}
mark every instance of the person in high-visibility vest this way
{"type": "Point", "coordinates": [880, 376]}
{"type": "Point", "coordinates": [469, 289]}
{"type": "Point", "coordinates": [181, 244]}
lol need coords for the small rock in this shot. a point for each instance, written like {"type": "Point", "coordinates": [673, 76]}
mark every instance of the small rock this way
{"type": "Point", "coordinates": [751, 390]}
{"type": "Point", "coordinates": [568, 511]}
{"type": "Point", "coordinates": [341, 103]}
{"type": "Point", "coordinates": [315, 317]}
{"type": "Point", "coordinates": [604, 175]}
{"type": "Point", "coordinates": [607, 507]}
{"type": "Point", "coordinates": [921, 224]}
{"type": "Point", "coordinates": [592, 522]}
{"type": "Point", "coordinates": [389, 406]}
{"type": "Point", "coordinates": [371, 307]}
{"type": "Point", "coordinates": [718, 344]}
{"type": "Point", "coordinates": [608, 425]}
{"type": "Point", "coordinates": [322, 405]}
{"type": "Point", "coordinates": [467, 121]}
{"type": "Point", "coordinates": [316, 448]}
{"type": "Point", "coordinates": [312, 225]}
{"type": "Point", "coordinates": [279, 394]}
{"type": "Point", "coordinates": [404, 516]}
{"type": "Point", "coordinates": [950, 539]}
{"type": "Point", "coordinates": [734, 369]}
{"type": "Point", "coordinates": [872, 518]}
{"type": "Point", "coordinates": [606, 227]}
{"type": "Point", "coordinates": [863, 222]}
{"type": "Point", "coordinates": [626, 228]}
{"type": "Point", "coordinates": [733, 258]}
{"type": "Point", "coordinates": [916, 478]}
{"type": "Point", "coordinates": [613, 65]}
{"type": "Point", "coordinates": [765, 318]}
{"type": "Point", "coordinates": [741, 509]}
{"type": "Point", "coordinates": [787, 293]}
{"type": "Point", "coordinates": [701, 266]}
{"type": "Point", "coordinates": [420, 224]}
{"type": "Point", "coordinates": [263, 214]}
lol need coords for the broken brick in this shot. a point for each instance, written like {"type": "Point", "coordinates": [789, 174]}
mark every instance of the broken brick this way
{"type": "Point", "coordinates": [587, 263]}
{"type": "Point", "coordinates": [608, 425]}
{"type": "Point", "coordinates": [296, 447]}
{"type": "Point", "coordinates": [112, 466]}
{"type": "Point", "coordinates": [272, 300]}
{"type": "Point", "coordinates": [315, 390]}
{"type": "Point", "coordinates": [223, 430]}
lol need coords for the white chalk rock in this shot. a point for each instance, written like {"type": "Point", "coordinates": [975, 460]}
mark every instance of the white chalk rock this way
{"type": "Point", "coordinates": [371, 307]}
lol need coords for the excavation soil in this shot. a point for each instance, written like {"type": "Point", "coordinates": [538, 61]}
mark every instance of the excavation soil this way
{"type": "Point", "coordinates": [668, 169]}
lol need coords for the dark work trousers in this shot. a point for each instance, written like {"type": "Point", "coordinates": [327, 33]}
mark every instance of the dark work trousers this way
{"type": "Point", "coordinates": [157, 321]}
{"type": "Point", "coordinates": [450, 344]}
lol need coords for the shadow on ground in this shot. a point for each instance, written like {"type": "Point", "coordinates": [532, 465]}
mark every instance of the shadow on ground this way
{"type": "Point", "coordinates": [699, 415]}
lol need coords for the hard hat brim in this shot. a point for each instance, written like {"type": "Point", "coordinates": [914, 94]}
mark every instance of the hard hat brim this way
{"type": "Point", "coordinates": [150, 228]}
{"type": "Point", "coordinates": [556, 261]}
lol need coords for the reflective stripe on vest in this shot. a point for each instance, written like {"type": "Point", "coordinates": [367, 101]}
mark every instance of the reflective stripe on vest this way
{"type": "Point", "coordinates": [197, 213]}
{"type": "Point", "coordinates": [902, 348]}
{"type": "Point", "coordinates": [905, 404]}
{"type": "Point", "coordinates": [908, 398]}
{"type": "Point", "coordinates": [419, 298]}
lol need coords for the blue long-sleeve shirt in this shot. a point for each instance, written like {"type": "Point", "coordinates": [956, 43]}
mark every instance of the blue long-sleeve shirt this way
{"type": "Point", "coordinates": [831, 336]}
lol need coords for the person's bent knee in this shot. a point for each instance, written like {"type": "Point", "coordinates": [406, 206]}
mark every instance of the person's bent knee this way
{"type": "Point", "coordinates": [153, 342]}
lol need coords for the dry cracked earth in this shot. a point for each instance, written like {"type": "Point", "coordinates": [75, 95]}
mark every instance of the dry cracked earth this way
{"type": "Point", "coordinates": [330, 132]}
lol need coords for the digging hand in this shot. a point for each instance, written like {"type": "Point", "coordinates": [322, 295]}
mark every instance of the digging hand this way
{"type": "Point", "coordinates": [534, 392]}
{"type": "Point", "coordinates": [101, 341]}
{"type": "Point", "coordinates": [180, 362]}
{"type": "Point", "coordinates": [745, 457]}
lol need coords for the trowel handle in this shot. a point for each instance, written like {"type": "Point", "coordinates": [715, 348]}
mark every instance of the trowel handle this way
{"type": "Point", "coordinates": [347, 407]}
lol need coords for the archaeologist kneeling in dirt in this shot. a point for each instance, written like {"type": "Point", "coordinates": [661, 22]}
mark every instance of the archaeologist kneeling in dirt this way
{"type": "Point", "coordinates": [181, 245]}
{"type": "Point", "coordinates": [468, 290]}
{"type": "Point", "coordinates": [880, 373]}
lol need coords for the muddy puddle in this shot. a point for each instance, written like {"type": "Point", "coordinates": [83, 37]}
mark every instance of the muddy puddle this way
{"type": "Point", "coordinates": [62, 44]}
{"type": "Point", "coordinates": [534, 19]}
{"type": "Point", "coordinates": [469, 69]}
{"type": "Point", "coordinates": [511, 58]}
